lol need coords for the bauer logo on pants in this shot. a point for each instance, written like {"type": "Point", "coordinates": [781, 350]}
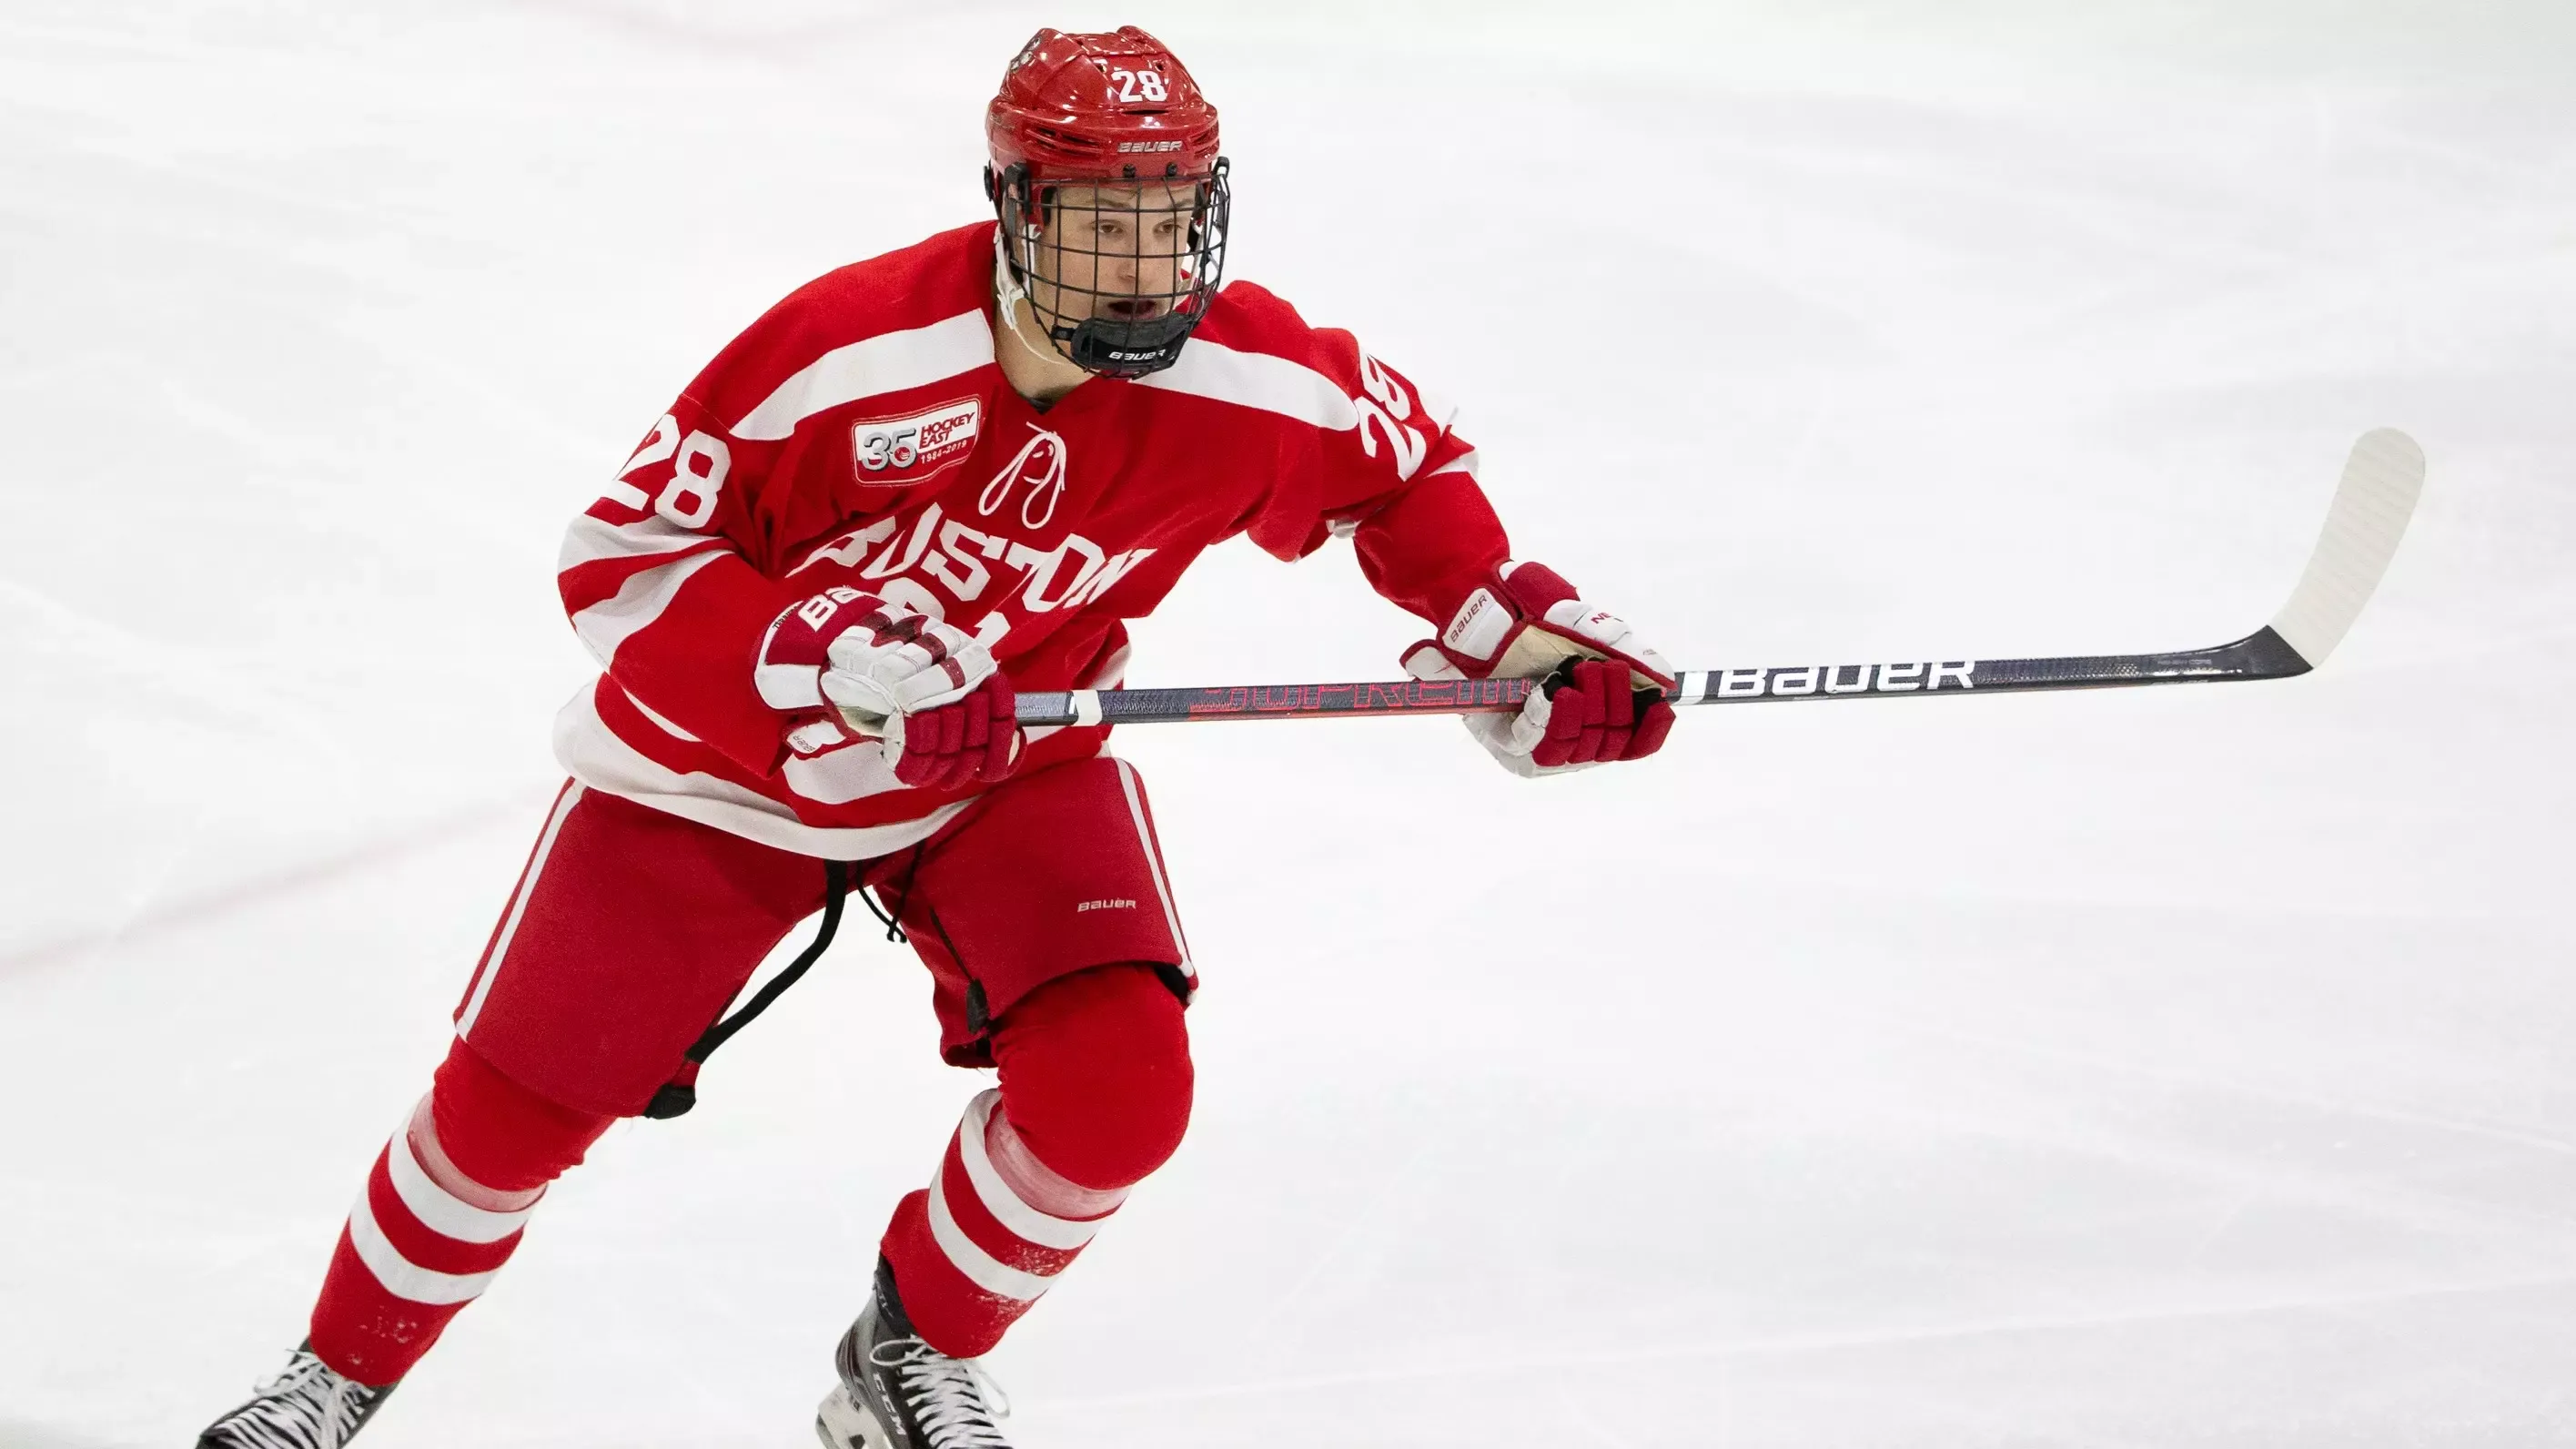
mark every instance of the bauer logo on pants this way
{"type": "Point", "coordinates": [901, 451]}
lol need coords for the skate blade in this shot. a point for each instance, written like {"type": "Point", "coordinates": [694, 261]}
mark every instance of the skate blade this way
{"type": "Point", "coordinates": [841, 1423]}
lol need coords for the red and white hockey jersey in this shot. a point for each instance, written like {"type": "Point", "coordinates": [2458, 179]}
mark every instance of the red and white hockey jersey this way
{"type": "Point", "coordinates": [861, 434]}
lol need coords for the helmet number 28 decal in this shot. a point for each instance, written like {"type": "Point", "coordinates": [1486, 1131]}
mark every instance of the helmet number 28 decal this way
{"type": "Point", "coordinates": [1139, 85]}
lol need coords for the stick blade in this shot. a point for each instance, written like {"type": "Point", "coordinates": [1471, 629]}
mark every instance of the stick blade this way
{"type": "Point", "coordinates": [2381, 482]}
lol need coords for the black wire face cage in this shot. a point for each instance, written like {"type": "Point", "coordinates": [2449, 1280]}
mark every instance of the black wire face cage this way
{"type": "Point", "coordinates": [1119, 273]}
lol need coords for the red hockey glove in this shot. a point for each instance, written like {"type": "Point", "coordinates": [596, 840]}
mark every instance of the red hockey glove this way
{"type": "Point", "coordinates": [851, 667]}
{"type": "Point", "coordinates": [1603, 699]}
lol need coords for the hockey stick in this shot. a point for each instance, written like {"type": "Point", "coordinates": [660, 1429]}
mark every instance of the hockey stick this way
{"type": "Point", "coordinates": [2371, 507]}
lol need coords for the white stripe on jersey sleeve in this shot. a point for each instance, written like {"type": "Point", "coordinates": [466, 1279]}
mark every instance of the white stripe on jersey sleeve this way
{"type": "Point", "coordinates": [590, 540]}
{"type": "Point", "coordinates": [1433, 413]}
{"type": "Point", "coordinates": [1464, 463]}
{"type": "Point", "coordinates": [614, 620]}
{"type": "Point", "coordinates": [1257, 380]}
{"type": "Point", "coordinates": [1112, 671]}
{"type": "Point", "coordinates": [888, 362]}
{"type": "Point", "coordinates": [668, 728]}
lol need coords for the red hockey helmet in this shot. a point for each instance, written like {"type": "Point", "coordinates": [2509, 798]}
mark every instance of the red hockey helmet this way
{"type": "Point", "coordinates": [1111, 196]}
{"type": "Point", "coordinates": [1099, 107]}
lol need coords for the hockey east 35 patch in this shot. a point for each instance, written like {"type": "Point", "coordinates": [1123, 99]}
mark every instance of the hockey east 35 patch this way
{"type": "Point", "coordinates": [898, 452]}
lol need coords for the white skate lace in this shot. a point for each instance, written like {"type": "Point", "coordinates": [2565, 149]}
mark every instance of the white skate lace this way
{"type": "Point", "coordinates": [306, 1407]}
{"type": "Point", "coordinates": [948, 1396]}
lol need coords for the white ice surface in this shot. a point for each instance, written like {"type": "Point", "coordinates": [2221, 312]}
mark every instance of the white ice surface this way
{"type": "Point", "coordinates": [2168, 1067]}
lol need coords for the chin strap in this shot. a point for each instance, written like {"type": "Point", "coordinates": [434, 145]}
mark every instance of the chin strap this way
{"type": "Point", "coordinates": [1008, 294]}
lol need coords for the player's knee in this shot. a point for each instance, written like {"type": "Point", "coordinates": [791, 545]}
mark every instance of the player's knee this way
{"type": "Point", "coordinates": [498, 1134]}
{"type": "Point", "coordinates": [1096, 1074]}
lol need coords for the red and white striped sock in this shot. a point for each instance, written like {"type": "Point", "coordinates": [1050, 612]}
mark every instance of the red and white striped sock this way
{"type": "Point", "coordinates": [988, 1238]}
{"type": "Point", "coordinates": [423, 1241]}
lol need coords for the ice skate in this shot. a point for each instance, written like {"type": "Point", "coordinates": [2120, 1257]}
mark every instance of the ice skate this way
{"type": "Point", "coordinates": [897, 1392]}
{"type": "Point", "coordinates": [308, 1406]}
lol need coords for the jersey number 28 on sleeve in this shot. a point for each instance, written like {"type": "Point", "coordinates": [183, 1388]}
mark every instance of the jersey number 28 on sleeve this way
{"type": "Point", "coordinates": [699, 463]}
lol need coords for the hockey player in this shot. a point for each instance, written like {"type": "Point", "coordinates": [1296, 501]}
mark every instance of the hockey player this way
{"type": "Point", "coordinates": [914, 486]}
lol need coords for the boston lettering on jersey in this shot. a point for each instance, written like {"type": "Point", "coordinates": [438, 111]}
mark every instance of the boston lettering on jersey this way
{"type": "Point", "coordinates": [905, 559]}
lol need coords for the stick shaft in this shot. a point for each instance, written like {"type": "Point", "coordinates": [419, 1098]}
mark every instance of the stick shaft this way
{"type": "Point", "coordinates": [2261, 655]}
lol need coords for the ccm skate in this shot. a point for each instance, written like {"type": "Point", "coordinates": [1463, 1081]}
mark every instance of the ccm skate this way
{"type": "Point", "coordinates": [898, 1392]}
{"type": "Point", "coordinates": [308, 1406]}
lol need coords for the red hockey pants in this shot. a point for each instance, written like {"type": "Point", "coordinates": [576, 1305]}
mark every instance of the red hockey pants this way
{"type": "Point", "coordinates": [1055, 956]}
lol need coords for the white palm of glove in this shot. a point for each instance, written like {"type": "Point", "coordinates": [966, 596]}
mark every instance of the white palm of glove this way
{"type": "Point", "coordinates": [1510, 738]}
